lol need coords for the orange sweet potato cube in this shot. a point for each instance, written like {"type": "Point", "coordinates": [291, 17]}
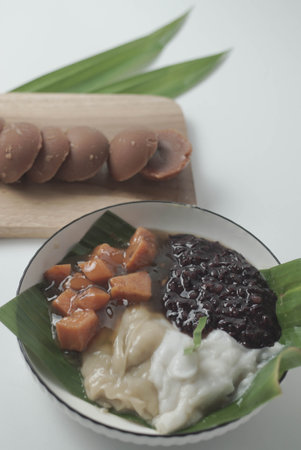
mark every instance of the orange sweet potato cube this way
{"type": "Point", "coordinates": [97, 270]}
{"type": "Point", "coordinates": [63, 304]}
{"type": "Point", "coordinates": [92, 298]}
{"type": "Point", "coordinates": [134, 287]}
{"type": "Point", "coordinates": [77, 282]}
{"type": "Point", "coordinates": [111, 255]}
{"type": "Point", "coordinates": [74, 332]}
{"type": "Point", "coordinates": [141, 251]}
{"type": "Point", "coordinates": [58, 273]}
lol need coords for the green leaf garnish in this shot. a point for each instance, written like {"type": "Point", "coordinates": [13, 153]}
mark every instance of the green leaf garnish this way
{"type": "Point", "coordinates": [91, 74]}
{"type": "Point", "coordinates": [169, 81]}
{"type": "Point", "coordinates": [27, 317]}
{"type": "Point", "coordinates": [264, 387]}
{"type": "Point", "coordinates": [197, 336]}
{"type": "Point", "coordinates": [285, 281]}
{"type": "Point", "coordinates": [117, 70]}
{"type": "Point", "coordinates": [109, 229]}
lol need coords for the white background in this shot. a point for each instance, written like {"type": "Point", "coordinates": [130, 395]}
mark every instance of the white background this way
{"type": "Point", "coordinates": [244, 123]}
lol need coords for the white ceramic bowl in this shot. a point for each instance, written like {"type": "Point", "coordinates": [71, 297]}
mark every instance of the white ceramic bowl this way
{"type": "Point", "coordinates": [172, 217]}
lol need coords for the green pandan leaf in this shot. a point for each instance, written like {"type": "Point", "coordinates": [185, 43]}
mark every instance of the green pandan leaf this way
{"type": "Point", "coordinates": [117, 70]}
{"type": "Point", "coordinates": [197, 336]}
{"type": "Point", "coordinates": [168, 81]}
{"type": "Point", "coordinates": [108, 228]}
{"type": "Point", "coordinates": [284, 277]}
{"type": "Point", "coordinates": [105, 68]}
{"type": "Point", "coordinates": [27, 317]}
{"type": "Point", "coordinates": [285, 281]}
{"type": "Point", "coordinates": [265, 386]}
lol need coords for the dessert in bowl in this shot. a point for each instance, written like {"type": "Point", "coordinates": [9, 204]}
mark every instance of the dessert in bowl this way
{"type": "Point", "coordinates": [172, 362]}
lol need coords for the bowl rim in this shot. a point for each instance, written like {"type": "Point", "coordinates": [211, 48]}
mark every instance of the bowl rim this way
{"type": "Point", "coordinates": [60, 400]}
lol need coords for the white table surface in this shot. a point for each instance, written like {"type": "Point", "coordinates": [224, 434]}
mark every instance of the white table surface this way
{"type": "Point", "coordinates": [244, 123]}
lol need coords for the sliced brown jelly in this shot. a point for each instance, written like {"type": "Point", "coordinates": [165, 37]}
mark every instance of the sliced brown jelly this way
{"type": "Point", "coordinates": [89, 149]}
{"type": "Point", "coordinates": [171, 157]}
{"type": "Point", "coordinates": [55, 148]}
{"type": "Point", "coordinates": [130, 150]}
{"type": "Point", "coordinates": [20, 144]}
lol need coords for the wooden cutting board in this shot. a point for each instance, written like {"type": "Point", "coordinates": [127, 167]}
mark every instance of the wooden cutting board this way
{"type": "Point", "coordinates": [32, 210]}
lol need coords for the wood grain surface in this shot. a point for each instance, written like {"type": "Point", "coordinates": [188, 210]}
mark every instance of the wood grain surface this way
{"type": "Point", "coordinates": [32, 210]}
